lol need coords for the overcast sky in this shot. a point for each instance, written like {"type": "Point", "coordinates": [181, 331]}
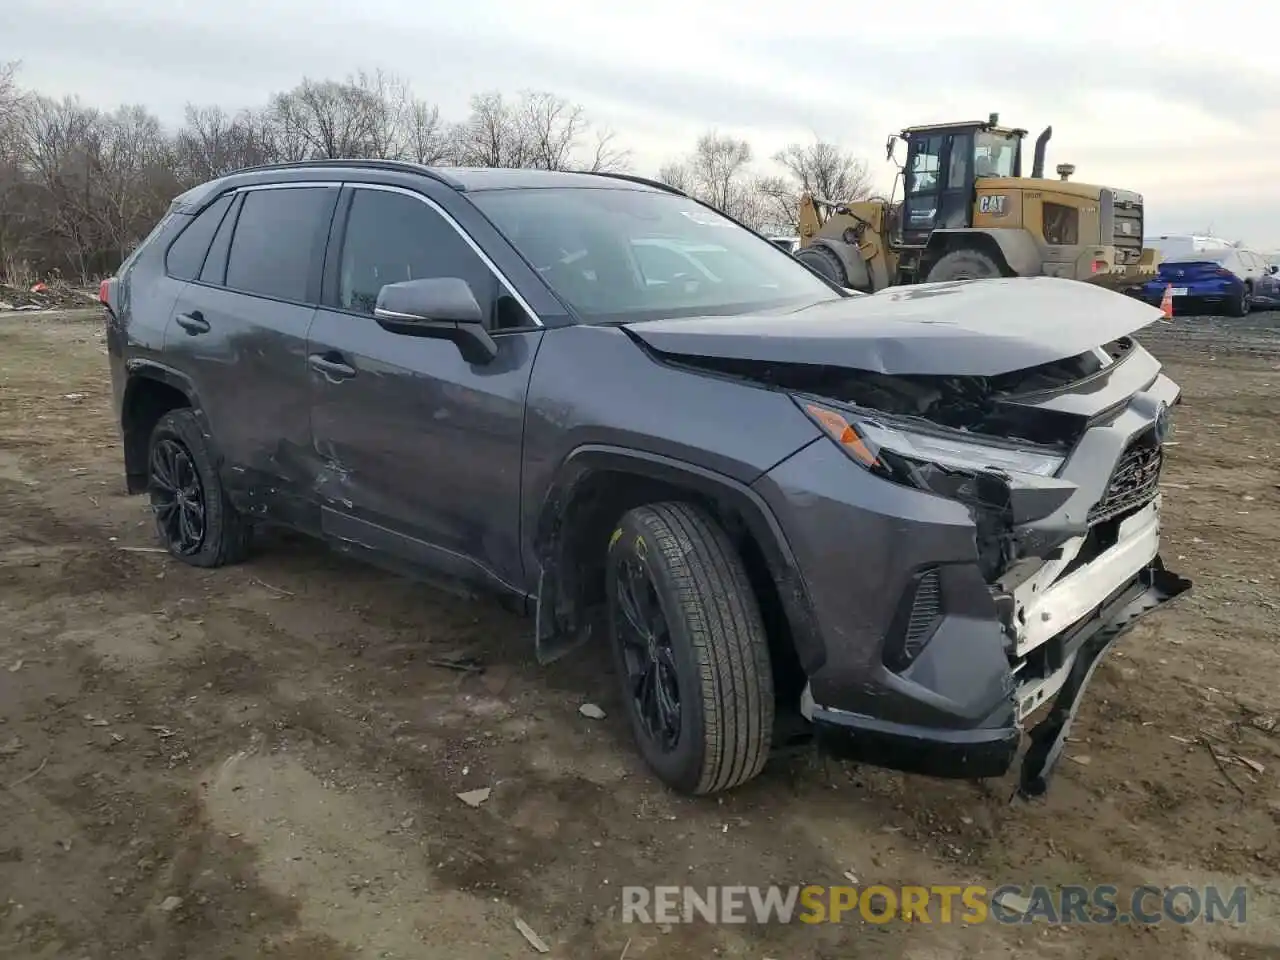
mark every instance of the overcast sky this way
{"type": "Point", "coordinates": [1178, 101]}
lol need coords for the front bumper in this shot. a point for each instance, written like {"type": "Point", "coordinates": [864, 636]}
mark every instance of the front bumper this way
{"type": "Point", "coordinates": [989, 750]}
{"type": "Point", "coordinates": [986, 651]}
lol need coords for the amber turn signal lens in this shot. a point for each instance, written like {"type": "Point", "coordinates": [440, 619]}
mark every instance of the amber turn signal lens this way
{"type": "Point", "coordinates": [844, 434]}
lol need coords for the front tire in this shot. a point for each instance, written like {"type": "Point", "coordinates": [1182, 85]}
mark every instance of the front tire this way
{"type": "Point", "coordinates": [964, 265]}
{"type": "Point", "coordinates": [690, 648]}
{"type": "Point", "coordinates": [194, 518]}
{"type": "Point", "coordinates": [825, 262]}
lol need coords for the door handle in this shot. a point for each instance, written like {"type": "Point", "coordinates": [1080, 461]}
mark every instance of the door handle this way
{"type": "Point", "coordinates": [193, 322]}
{"type": "Point", "coordinates": [334, 370]}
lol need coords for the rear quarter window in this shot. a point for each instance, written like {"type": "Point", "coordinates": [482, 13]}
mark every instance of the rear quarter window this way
{"type": "Point", "coordinates": [156, 232]}
{"type": "Point", "coordinates": [186, 253]}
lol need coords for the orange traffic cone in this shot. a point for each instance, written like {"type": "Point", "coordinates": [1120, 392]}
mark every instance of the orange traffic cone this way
{"type": "Point", "coordinates": [1166, 302]}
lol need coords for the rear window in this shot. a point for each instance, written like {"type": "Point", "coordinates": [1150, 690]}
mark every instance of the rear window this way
{"type": "Point", "coordinates": [626, 255]}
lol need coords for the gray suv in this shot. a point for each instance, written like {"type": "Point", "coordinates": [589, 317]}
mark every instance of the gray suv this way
{"type": "Point", "coordinates": [897, 524]}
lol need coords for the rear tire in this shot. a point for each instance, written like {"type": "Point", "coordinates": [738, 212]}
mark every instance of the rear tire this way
{"type": "Point", "coordinates": [826, 262]}
{"type": "Point", "coordinates": [964, 265]}
{"type": "Point", "coordinates": [673, 572]}
{"type": "Point", "coordinates": [194, 518]}
{"type": "Point", "coordinates": [1241, 305]}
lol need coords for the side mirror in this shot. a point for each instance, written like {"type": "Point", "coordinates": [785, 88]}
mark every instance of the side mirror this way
{"type": "Point", "coordinates": [442, 308]}
{"type": "Point", "coordinates": [1275, 268]}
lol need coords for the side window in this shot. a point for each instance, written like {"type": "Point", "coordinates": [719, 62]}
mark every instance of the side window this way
{"type": "Point", "coordinates": [392, 237]}
{"type": "Point", "coordinates": [278, 241]}
{"type": "Point", "coordinates": [922, 176]}
{"type": "Point", "coordinates": [186, 254]}
{"type": "Point", "coordinates": [215, 264]}
{"type": "Point", "coordinates": [1061, 224]}
{"type": "Point", "coordinates": [958, 168]}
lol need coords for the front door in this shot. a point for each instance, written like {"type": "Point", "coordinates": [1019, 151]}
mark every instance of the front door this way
{"type": "Point", "coordinates": [939, 185]}
{"type": "Point", "coordinates": [923, 188]}
{"type": "Point", "coordinates": [420, 451]}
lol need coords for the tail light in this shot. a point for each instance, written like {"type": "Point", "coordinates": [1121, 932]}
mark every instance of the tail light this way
{"type": "Point", "coordinates": [104, 288]}
{"type": "Point", "coordinates": [1223, 272]}
{"type": "Point", "coordinates": [1099, 266]}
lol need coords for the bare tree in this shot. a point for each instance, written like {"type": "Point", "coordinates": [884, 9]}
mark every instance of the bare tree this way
{"type": "Point", "coordinates": [80, 186]}
{"type": "Point", "coordinates": [826, 170]}
{"type": "Point", "coordinates": [550, 127]}
{"type": "Point", "coordinates": [59, 142]}
{"type": "Point", "coordinates": [606, 156]}
{"type": "Point", "coordinates": [12, 99]}
{"type": "Point", "coordinates": [388, 101]}
{"type": "Point", "coordinates": [718, 172]}
{"type": "Point", "coordinates": [678, 174]}
{"type": "Point", "coordinates": [133, 177]}
{"type": "Point", "coordinates": [212, 143]}
{"type": "Point", "coordinates": [823, 169]}
{"type": "Point", "coordinates": [491, 136]}
{"type": "Point", "coordinates": [539, 130]}
{"type": "Point", "coordinates": [16, 214]}
{"type": "Point", "coordinates": [330, 119]}
{"type": "Point", "coordinates": [780, 203]}
{"type": "Point", "coordinates": [426, 138]}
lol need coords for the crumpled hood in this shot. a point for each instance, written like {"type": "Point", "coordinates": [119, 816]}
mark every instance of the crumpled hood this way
{"type": "Point", "coordinates": [977, 328]}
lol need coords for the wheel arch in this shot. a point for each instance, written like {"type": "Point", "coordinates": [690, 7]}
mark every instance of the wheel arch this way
{"type": "Point", "coordinates": [1014, 251]}
{"type": "Point", "coordinates": [151, 391]}
{"type": "Point", "coordinates": [596, 484]}
{"type": "Point", "coordinates": [856, 273]}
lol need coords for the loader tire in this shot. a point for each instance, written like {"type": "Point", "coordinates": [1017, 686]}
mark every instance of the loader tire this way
{"type": "Point", "coordinates": [825, 262]}
{"type": "Point", "coordinates": [964, 265]}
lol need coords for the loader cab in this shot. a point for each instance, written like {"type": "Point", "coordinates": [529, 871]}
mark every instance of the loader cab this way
{"type": "Point", "coordinates": [943, 163]}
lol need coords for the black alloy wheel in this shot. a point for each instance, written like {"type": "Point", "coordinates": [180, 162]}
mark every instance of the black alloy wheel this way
{"type": "Point", "coordinates": [194, 515]}
{"type": "Point", "coordinates": [649, 663]}
{"type": "Point", "coordinates": [177, 497]}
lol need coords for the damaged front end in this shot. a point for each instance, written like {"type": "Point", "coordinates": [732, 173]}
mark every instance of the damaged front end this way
{"type": "Point", "coordinates": [1058, 467]}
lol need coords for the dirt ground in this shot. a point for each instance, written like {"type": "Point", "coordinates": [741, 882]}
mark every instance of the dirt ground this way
{"type": "Point", "coordinates": [264, 760]}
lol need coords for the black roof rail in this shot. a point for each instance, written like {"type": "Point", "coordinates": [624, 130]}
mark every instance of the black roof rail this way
{"type": "Point", "coordinates": [404, 166]}
{"type": "Point", "coordinates": [635, 179]}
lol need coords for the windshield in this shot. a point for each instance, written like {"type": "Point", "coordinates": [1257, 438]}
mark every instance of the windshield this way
{"type": "Point", "coordinates": [626, 255]}
{"type": "Point", "coordinates": [994, 154]}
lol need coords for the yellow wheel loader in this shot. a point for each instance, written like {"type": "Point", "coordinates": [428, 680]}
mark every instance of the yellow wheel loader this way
{"type": "Point", "coordinates": [967, 212]}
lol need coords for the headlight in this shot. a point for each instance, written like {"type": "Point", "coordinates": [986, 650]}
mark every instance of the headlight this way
{"type": "Point", "coordinates": [893, 448]}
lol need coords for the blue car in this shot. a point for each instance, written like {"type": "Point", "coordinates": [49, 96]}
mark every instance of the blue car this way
{"type": "Point", "coordinates": [1230, 281]}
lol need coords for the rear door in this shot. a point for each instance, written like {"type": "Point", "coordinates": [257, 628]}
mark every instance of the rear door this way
{"type": "Point", "coordinates": [240, 331]}
{"type": "Point", "coordinates": [421, 450]}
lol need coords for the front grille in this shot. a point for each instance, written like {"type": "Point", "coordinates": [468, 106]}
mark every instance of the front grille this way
{"type": "Point", "coordinates": [1134, 482]}
{"type": "Point", "coordinates": [1127, 232]}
